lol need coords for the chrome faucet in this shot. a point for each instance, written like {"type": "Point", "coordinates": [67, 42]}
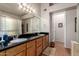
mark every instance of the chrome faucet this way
{"type": "Point", "coordinates": [2, 43]}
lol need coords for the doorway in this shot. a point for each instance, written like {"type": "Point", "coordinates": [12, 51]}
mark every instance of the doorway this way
{"type": "Point", "coordinates": [27, 27]}
{"type": "Point", "coordinates": [59, 27]}
{"type": "Point", "coordinates": [68, 27]}
{"type": "Point", "coordinates": [22, 26]}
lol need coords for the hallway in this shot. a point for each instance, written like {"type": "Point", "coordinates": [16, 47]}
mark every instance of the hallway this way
{"type": "Point", "coordinates": [60, 50]}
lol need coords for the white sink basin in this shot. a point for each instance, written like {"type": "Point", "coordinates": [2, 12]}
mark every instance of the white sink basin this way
{"type": "Point", "coordinates": [17, 40]}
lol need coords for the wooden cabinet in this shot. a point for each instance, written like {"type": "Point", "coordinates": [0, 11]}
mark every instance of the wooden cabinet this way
{"type": "Point", "coordinates": [44, 42]}
{"type": "Point", "coordinates": [38, 42]}
{"type": "Point", "coordinates": [39, 46]}
{"type": "Point", "coordinates": [47, 40]}
{"type": "Point", "coordinates": [14, 51]}
{"type": "Point", "coordinates": [39, 50]}
{"type": "Point", "coordinates": [30, 43]}
{"type": "Point", "coordinates": [31, 51]}
{"type": "Point", "coordinates": [31, 48]}
{"type": "Point", "coordinates": [2, 53]}
{"type": "Point", "coordinates": [23, 53]}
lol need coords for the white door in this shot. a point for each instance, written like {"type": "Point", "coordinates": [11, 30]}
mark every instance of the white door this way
{"type": "Point", "coordinates": [58, 26]}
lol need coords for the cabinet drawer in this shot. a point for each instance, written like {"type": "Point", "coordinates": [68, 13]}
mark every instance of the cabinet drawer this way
{"type": "Point", "coordinates": [31, 43]}
{"type": "Point", "coordinates": [39, 50]}
{"type": "Point", "coordinates": [39, 42]}
{"type": "Point", "coordinates": [2, 53]}
{"type": "Point", "coordinates": [15, 50]}
{"type": "Point", "coordinates": [31, 51]}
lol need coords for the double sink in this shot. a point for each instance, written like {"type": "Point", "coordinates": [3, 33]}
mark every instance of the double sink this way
{"type": "Point", "coordinates": [22, 38]}
{"type": "Point", "coordinates": [18, 40]}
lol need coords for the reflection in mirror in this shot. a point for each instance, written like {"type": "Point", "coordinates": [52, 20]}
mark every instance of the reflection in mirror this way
{"type": "Point", "coordinates": [13, 26]}
{"type": "Point", "coordinates": [9, 26]}
{"type": "Point", "coordinates": [32, 25]}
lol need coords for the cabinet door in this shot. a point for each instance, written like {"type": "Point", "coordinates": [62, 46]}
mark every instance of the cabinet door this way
{"type": "Point", "coordinates": [15, 50]}
{"type": "Point", "coordinates": [47, 41]}
{"type": "Point", "coordinates": [38, 42]}
{"type": "Point", "coordinates": [39, 50]}
{"type": "Point", "coordinates": [47, 38]}
{"type": "Point", "coordinates": [31, 43]}
{"type": "Point", "coordinates": [21, 53]}
{"type": "Point", "coordinates": [31, 48]}
{"type": "Point", "coordinates": [44, 41]}
{"type": "Point", "coordinates": [2, 53]}
{"type": "Point", "coordinates": [31, 51]}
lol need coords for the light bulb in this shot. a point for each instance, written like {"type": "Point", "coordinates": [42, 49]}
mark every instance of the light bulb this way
{"type": "Point", "coordinates": [33, 10]}
{"type": "Point", "coordinates": [27, 10]}
{"type": "Point", "coordinates": [24, 4]}
{"type": "Point", "coordinates": [20, 6]}
{"type": "Point", "coordinates": [24, 8]}
{"type": "Point", "coordinates": [30, 11]}
{"type": "Point", "coordinates": [28, 7]}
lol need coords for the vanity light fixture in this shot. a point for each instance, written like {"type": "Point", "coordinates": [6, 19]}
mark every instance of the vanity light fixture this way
{"type": "Point", "coordinates": [26, 8]}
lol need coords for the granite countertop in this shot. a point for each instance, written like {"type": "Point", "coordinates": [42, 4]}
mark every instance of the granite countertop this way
{"type": "Point", "coordinates": [11, 45]}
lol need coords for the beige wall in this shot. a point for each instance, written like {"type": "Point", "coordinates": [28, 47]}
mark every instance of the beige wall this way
{"type": "Point", "coordinates": [44, 18]}
{"type": "Point", "coordinates": [70, 26]}
{"type": "Point", "coordinates": [45, 24]}
{"type": "Point", "coordinates": [77, 23]}
{"type": "Point", "coordinates": [45, 14]}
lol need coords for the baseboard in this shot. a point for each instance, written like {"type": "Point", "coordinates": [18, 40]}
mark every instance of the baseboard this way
{"type": "Point", "coordinates": [68, 48]}
{"type": "Point", "coordinates": [59, 41]}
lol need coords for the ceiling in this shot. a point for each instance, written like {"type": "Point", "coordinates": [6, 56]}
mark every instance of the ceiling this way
{"type": "Point", "coordinates": [11, 8]}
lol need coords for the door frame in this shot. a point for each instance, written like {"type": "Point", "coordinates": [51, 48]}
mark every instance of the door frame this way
{"type": "Point", "coordinates": [51, 18]}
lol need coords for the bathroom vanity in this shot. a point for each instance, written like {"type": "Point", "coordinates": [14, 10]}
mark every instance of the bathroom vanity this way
{"type": "Point", "coordinates": [33, 46]}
